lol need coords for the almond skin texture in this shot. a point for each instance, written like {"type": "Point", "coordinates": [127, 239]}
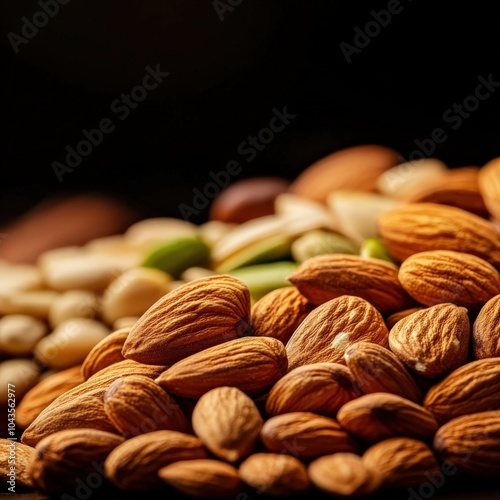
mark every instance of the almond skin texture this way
{"type": "Point", "coordinates": [394, 318]}
{"type": "Point", "coordinates": [376, 369]}
{"type": "Point", "coordinates": [46, 391]}
{"type": "Point", "coordinates": [306, 436]}
{"type": "Point", "coordinates": [200, 314]}
{"type": "Point", "coordinates": [203, 478]}
{"type": "Point", "coordinates": [331, 328]}
{"type": "Point", "coordinates": [319, 388]}
{"type": "Point", "coordinates": [489, 185]}
{"type": "Point", "coordinates": [65, 456]}
{"type": "Point", "coordinates": [401, 462]}
{"type": "Point", "coordinates": [378, 416]}
{"type": "Point", "coordinates": [136, 405]}
{"type": "Point", "coordinates": [486, 330]}
{"type": "Point", "coordinates": [134, 465]}
{"type": "Point", "coordinates": [252, 364]}
{"type": "Point", "coordinates": [274, 474]}
{"type": "Point", "coordinates": [472, 388]}
{"type": "Point", "coordinates": [227, 422]}
{"type": "Point", "coordinates": [329, 276]}
{"type": "Point", "coordinates": [434, 341]}
{"type": "Point", "coordinates": [419, 227]}
{"type": "Point", "coordinates": [441, 276]}
{"type": "Point", "coordinates": [471, 443]}
{"type": "Point", "coordinates": [279, 313]}
{"type": "Point", "coordinates": [23, 456]}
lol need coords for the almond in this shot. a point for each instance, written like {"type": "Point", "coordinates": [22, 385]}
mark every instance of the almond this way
{"type": "Point", "coordinates": [20, 456]}
{"type": "Point", "coordinates": [471, 443]}
{"type": "Point", "coordinates": [376, 369]}
{"type": "Point", "coordinates": [64, 457]}
{"type": "Point", "coordinates": [306, 435]}
{"type": "Point", "coordinates": [401, 462]}
{"type": "Point", "coordinates": [486, 330]}
{"type": "Point", "coordinates": [380, 415]}
{"type": "Point", "coordinates": [327, 277]}
{"type": "Point", "coordinates": [440, 276]}
{"type": "Point", "coordinates": [227, 422]}
{"type": "Point", "coordinates": [134, 465]}
{"type": "Point", "coordinates": [434, 341]}
{"type": "Point", "coordinates": [398, 316]}
{"type": "Point", "coordinates": [203, 478]}
{"type": "Point", "coordinates": [331, 328]}
{"type": "Point", "coordinates": [279, 313]}
{"type": "Point", "coordinates": [274, 475]}
{"type": "Point", "coordinates": [319, 388]}
{"type": "Point", "coordinates": [136, 404]}
{"type": "Point", "coordinates": [489, 185]}
{"type": "Point", "coordinates": [344, 475]}
{"type": "Point", "coordinates": [252, 364]}
{"type": "Point", "coordinates": [44, 393]}
{"type": "Point", "coordinates": [200, 314]}
{"type": "Point", "coordinates": [472, 388]}
{"type": "Point", "coordinates": [419, 227]}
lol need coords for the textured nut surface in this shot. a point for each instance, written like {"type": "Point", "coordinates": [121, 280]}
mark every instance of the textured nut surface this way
{"type": "Point", "coordinates": [486, 330]}
{"type": "Point", "coordinates": [398, 316]}
{"type": "Point", "coordinates": [489, 185]}
{"type": "Point", "coordinates": [20, 456]}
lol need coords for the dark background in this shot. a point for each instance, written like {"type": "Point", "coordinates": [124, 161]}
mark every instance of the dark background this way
{"type": "Point", "coordinates": [226, 77]}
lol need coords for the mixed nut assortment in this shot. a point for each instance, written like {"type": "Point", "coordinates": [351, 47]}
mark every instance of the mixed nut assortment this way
{"type": "Point", "coordinates": [348, 341]}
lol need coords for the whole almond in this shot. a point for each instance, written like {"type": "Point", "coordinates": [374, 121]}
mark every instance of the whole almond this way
{"type": "Point", "coordinates": [19, 456]}
{"type": "Point", "coordinates": [380, 415]}
{"type": "Point", "coordinates": [136, 404]}
{"type": "Point", "coordinates": [279, 313]}
{"type": "Point", "coordinates": [64, 457]}
{"type": "Point", "coordinates": [327, 277]}
{"type": "Point", "coordinates": [440, 276]}
{"type": "Point", "coordinates": [434, 341]}
{"type": "Point", "coordinates": [472, 388]}
{"type": "Point", "coordinates": [376, 369]}
{"type": "Point", "coordinates": [489, 185]}
{"type": "Point", "coordinates": [227, 422]}
{"type": "Point", "coordinates": [471, 443]}
{"type": "Point", "coordinates": [134, 465]}
{"type": "Point", "coordinates": [486, 330]}
{"type": "Point", "coordinates": [401, 462]}
{"type": "Point", "coordinates": [319, 388]}
{"type": "Point", "coordinates": [200, 314]}
{"type": "Point", "coordinates": [306, 435]}
{"type": "Point", "coordinates": [274, 474]}
{"type": "Point", "coordinates": [331, 328]}
{"type": "Point", "coordinates": [344, 475]}
{"type": "Point", "coordinates": [252, 364]}
{"type": "Point", "coordinates": [419, 227]}
{"type": "Point", "coordinates": [203, 478]}
{"type": "Point", "coordinates": [398, 316]}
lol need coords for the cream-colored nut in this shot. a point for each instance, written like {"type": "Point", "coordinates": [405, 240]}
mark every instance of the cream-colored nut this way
{"type": "Point", "coordinates": [73, 304]}
{"type": "Point", "coordinates": [194, 273]}
{"type": "Point", "coordinates": [57, 254]}
{"type": "Point", "coordinates": [125, 322]}
{"type": "Point", "coordinates": [212, 231]}
{"type": "Point", "coordinates": [21, 374]}
{"type": "Point", "coordinates": [70, 342]}
{"type": "Point", "coordinates": [35, 303]}
{"type": "Point", "coordinates": [19, 333]}
{"type": "Point", "coordinates": [319, 242]}
{"type": "Point", "coordinates": [133, 293]}
{"type": "Point", "coordinates": [19, 278]}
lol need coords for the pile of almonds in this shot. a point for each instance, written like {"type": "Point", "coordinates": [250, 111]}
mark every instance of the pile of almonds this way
{"type": "Point", "coordinates": [368, 361]}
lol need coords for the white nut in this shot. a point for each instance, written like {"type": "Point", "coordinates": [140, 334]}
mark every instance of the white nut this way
{"type": "Point", "coordinates": [19, 278]}
{"type": "Point", "coordinates": [73, 304]}
{"type": "Point", "coordinates": [35, 303]}
{"type": "Point", "coordinates": [19, 334]}
{"type": "Point", "coordinates": [21, 374]}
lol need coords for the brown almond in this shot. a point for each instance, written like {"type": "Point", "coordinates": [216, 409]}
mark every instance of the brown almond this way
{"type": "Point", "coordinates": [306, 435]}
{"type": "Point", "coordinates": [136, 404]}
{"type": "Point", "coordinates": [20, 456]}
{"type": "Point", "coordinates": [376, 369]}
{"type": "Point", "coordinates": [489, 185]}
{"type": "Point", "coordinates": [200, 314]}
{"type": "Point", "coordinates": [279, 313]}
{"type": "Point", "coordinates": [331, 328]}
{"type": "Point", "coordinates": [434, 341]}
{"type": "Point", "coordinates": [472, 388]}
{"type": "Point", "coordinates": [134, 465]}
{"type": "Point", "coordinates": [401, 462]}
{"type": "Point", "coordinates": [252, 364]}
{"type": "Point", "coordinates": [64, 457]}
{"type": "Point", "coordinates": [486, 330]}
{"type": "Point", "coordinates": [380, 415]}
{"type": "Point", "coordinates": [398, 316]}
{"type": "Point", "coordinates": [441, 276]}
{"type": "Point", "coordinates": [329, 276]}
{"type": "Point", "coordinates": [319, 388]}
